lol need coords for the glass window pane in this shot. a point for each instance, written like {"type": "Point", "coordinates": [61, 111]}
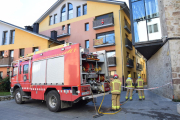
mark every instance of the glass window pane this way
{"type": "Point", "coordinates": [140, 31]}
{"type": "Point", "coordinates": [70, 6]}
{"type": "Point", "coordinates": [155, 32]}
{"type": "Point", "coordinates": [151, 8]}
{"type": "Point", "coordinates": [63, 14]}
{"type": "Point", "coordinates": [25, 69]}
{"type": "Point", "coordinates": [78, 11]}
{"type": "Point", "coordinates": [84, 9]}
{"type": "Point", "coordinates": [87, 26]}
{"type": "Point", "coordinates": [87, 44]}
{"type": "Point", "coordinates": [111, 54]}
{"type": "Point", "coordinates": [138, 11]}
{"type": "Point", "coordinates": [70, 14]}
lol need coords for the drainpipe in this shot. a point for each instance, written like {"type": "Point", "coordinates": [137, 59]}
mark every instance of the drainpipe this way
{"type": "Point", "coordinates": [121, 46]}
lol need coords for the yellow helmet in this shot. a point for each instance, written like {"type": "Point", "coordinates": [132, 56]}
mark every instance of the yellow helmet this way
{"type": "Point", "coordinates": [129, 76]}
{"type": "Point", "coordinates": [139, 76]}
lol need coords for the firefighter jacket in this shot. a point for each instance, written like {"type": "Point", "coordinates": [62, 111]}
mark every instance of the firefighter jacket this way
{"type": "Point", "coordinates": [129, 82]}
{"type": "Point", "coordinates": [115, 86]}
{"type": "Point", "coordinates": [140, 83]}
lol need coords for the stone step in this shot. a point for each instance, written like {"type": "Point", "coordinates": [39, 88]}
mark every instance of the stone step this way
{"type": "Point", "coordinates": [3, 98]}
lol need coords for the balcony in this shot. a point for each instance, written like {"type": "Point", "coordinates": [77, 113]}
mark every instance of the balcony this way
{"type": "Point", "coordinates": [127, 26]}
{"type": "Point", "coordinates": [63, 32]}
{"type": "Point", "coordinates": [139, 67]}
{"type": "Point", "coordinates": [128, 43]}
{"type": "Point", "coordinates": [111, 61]}
{"type": "Point", "coordinates": [130, 63]}
{"type": "Point", "coordinates": [109, 21]}
{"type": "Point", "coordinates": [4, 62]}
{"type": "Point", "coordinates": [103, 42]}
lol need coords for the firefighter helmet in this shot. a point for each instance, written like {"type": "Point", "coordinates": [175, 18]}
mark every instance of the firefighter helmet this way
{"type": "Point", "coordinates": [139, 76]}
{"type": "Point", "coordinates": [115, 76]}
{"type": "Point", "coordinates": [129, 76]}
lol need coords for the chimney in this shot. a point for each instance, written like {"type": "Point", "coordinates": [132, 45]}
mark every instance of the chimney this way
{"type": "Point", "coordinates": [54, 35]}
{"type": "Point", "coordinates": [29, 28]}
{"type": "Point", "coordinates": [36, 27]}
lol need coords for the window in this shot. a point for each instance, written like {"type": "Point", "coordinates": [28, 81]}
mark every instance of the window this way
{"type": "Point", "coordinates": [69, 28]}
{"type": "Point", "coordinates": [12, 37]}
{"type": "Point", "coordinates": [1, 75]}
{"type": "Point", "coordinates": [107, 37]}
{"type": "Point", "coordinates": [146, 20]}
{"type": "Point", "coordinates": [25, 69]}
{"type": "Point", "coordinates": [63, 27]}
{"type": "Point", "coordinates": [11, 53]}
{"type": "Point", "coordinates": [21, 52]}
{"type": "Point", "coordinates": [111, 73]}
{"type": "Point", "coordinates": [63, 14]}
{"type": "Point", "coordinates": [70, 11]}
{"type": "Point", "coordinates": [2, 53]}
{"type": "Point", "coordinates": [127, 55]}
{"type": "Point", "coordinates": [87, 44]}
{"type": "Point", "coordinates": [20, 70]}
{"type": "Point", "coordinates": [35, 49]}
{"type": "Point", "coordinates": [5, 36]}
{"type": "Point", "coordinates": [84, 9]}
{"type": "Point", "coordinates": [55, 19]}
{"type": "Point", "coordinates": [87, 27]}
{"type": "Point", "coordinates": [78, 11]}
{"type": "Point", "coordinates": [111, 54]}
{"type": "Point", "coordinates": [15, 71]}
{"type": "Point", "coordinates": [50, 20]}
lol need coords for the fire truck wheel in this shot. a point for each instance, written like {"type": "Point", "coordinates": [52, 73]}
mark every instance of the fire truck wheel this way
{"type": "Point", "coordinates": [18, 96]}
{"type": "Point", "coordinates": [53, 101]}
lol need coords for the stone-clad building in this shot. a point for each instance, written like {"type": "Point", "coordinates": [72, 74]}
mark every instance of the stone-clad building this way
{"type": "Point", "coordinates": [156, 35]}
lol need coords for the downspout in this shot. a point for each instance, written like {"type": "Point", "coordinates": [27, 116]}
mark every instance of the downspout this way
{"type": "Point", "coordinates": [121, 46]}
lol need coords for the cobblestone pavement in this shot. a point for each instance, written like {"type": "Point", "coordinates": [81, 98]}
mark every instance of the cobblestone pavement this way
{"type": "Point", "coordinates": [153, 108]}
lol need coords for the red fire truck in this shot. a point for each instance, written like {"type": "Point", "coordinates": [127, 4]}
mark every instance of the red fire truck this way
{"type": "Point", "coordinates": [61, 76]}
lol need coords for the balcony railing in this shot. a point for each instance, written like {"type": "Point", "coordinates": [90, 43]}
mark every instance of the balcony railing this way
{"type": "Point", "coordinates": [63, 32]}
{"type": "Point", "coordinates": [105, 41]}
{"type": "Point", "coordinates": [5, 61]}
{"type": "Point", "coordinates": [127, 26]}
{"type": "Point", "coordinates": [139, 67]}
{"type": "Point", "coordinates": [130, 63]}
{"type": "Point", "coordinates": [101, 23]}
{"type": "Point", "coordinates": [128, 43]}
{"type": "Point", "coordinates": [111, 61]}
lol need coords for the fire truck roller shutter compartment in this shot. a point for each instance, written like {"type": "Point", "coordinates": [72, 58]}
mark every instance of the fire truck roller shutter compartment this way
{"type": "Point", "coordinates": [55, 71]}
{"type": "Point", "coordinates": [39, 72]}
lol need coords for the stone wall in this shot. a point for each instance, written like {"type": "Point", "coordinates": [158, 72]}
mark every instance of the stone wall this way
{"type": "Point", "coordinates": [172, 15]}
{"type": "Point", "coordinates": [174, 46]}
{"type": "Point", "coordinates": [159, 72]}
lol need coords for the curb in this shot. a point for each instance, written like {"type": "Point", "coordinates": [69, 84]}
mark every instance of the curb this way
{"type": "Point", "coordinates": [178, 108]}
{"type": "Point", "coordinates": [3, 98]}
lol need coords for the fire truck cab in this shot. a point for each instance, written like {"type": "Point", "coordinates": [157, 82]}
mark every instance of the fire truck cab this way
{"type": "Point", "coordinates": [61, 76]}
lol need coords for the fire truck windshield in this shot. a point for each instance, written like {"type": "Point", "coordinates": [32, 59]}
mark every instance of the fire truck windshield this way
{"type": "Point", "coordinates": [15, 71]}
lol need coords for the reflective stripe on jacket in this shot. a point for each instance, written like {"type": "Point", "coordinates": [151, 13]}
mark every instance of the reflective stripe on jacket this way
{"type": "Point", "coordinates": [140, 83]}
{"type": "Point", "coordinates": [129, 83]}
{"type": "Point", "coordinates": [115, 86]}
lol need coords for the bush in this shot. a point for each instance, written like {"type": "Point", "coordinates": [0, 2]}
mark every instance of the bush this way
{"type": "Point", "coordinates": [5, 85]}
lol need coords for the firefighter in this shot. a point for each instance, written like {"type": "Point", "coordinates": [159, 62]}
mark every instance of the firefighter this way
{"type": "Point", "coordinates": [130, 85]}
{"type": "Point", "coordinates": [116, 91]}
{"type": "Point", "coordinates": [140, 85]}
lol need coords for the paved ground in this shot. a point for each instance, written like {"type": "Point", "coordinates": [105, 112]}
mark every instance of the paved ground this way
{"type": "Point", "coordinates": [153, 108]}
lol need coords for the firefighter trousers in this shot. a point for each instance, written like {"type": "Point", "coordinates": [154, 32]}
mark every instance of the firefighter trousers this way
{"type": "Point", "coordinates": [141, 93]}
{"type": "Point", "coordinates": [115, 101]}
{"type": "Point", "coordinates": [127, 93]}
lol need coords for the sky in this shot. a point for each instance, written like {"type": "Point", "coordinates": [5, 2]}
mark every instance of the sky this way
{"type": "Point", "coordinates": [24, 12]}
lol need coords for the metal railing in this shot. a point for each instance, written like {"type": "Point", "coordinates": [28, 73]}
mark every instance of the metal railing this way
{"type": "Point", "coordinates": [63, 32]}
{"type": "Point", "coordinates": [6, 61]}
{"type": "Point", "coordinates": [127, 26]}
{"type": "Point", "coordinates": [128, 43]}
{"type": "Point", "coordinates": [130, 63]}
{"type": "Point", "coordinates": [139, 67]}
{"type": "Point", "coordinates": [105, 41]}
{"type": "Point", "coordinates": [109, 21]}
{"type": "Point", "coordinates": [111, 61]}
